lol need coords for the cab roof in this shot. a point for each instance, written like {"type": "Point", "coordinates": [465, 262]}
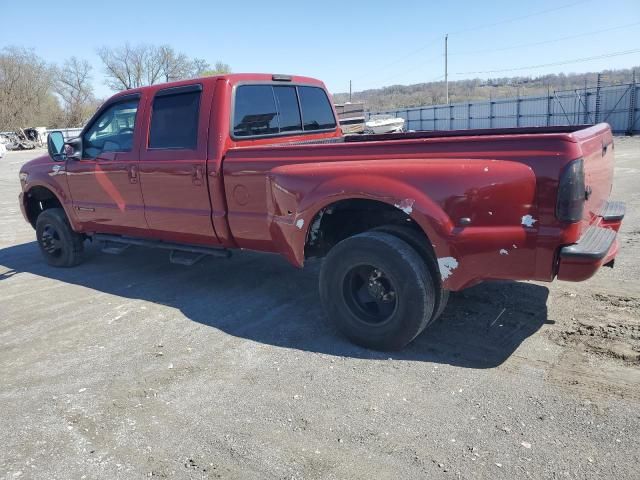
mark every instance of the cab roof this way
{"type": "Point", "coordinates": [232, 78]}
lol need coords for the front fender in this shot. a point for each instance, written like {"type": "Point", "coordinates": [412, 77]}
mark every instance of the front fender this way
{"type": "Point", "coordinates": [51, 175]}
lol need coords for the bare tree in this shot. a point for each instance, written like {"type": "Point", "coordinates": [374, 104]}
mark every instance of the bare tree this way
{"type": "Point", "coordinates": [199, 66]}
{"type": "Point", "coordinates": [174, 65]}
{"type": "Point", "coordinates": [26, 97]}
{"type": "Point", "coordinates": [124, 66]}
{"type": "Point", "coordinates": [218, 69]}
{"type": "Point", "coordinates": [73, 84]}
{"type": "Point", "coordinates": [135, 66]}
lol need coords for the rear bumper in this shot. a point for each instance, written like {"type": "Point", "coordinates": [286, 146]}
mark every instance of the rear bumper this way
{"type": "Point", "coordinates": [597, 246]}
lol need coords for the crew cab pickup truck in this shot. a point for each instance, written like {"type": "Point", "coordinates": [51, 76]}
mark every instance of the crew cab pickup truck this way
{"type": "Point", "coordinates": [258, 161]}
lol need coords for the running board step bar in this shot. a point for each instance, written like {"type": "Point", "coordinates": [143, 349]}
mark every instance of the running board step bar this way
{"type": "Point", "coordinates": [114, 248]}
{"type": "Point", "coordinates": [613, 211]}
{"type": "Point", "coordinates": [180, 257]}
{"type": "Point", "coordinates": [183, 254]}
{"type": "Point", "coordinates": [594, 244]}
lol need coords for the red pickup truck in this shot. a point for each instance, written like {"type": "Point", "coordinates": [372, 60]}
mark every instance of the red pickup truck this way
{"type": "Point", "coordinates": [256, 161]}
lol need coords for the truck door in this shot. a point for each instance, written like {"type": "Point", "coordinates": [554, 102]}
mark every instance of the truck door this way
{"type": "Point", "coordinates": [104, 183]}
{"type": "Point", "coordinates": [173, 165]}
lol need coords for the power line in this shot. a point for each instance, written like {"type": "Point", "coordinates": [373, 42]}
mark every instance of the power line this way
{"type": "Point", "coordinates": [522, 17]}
{"type": "Point", "coordinates": [438, 38]}
{"type": "Point", "coordinates": [544, 42]}
{"type": "Point", "coordinates": [404, 72]}
{"type": "Point", "coordinates": [430, 80]}
{"type": "Point", "coordinates": [555, 64]}
{"type": "Point", "coordinates": [404, 57]}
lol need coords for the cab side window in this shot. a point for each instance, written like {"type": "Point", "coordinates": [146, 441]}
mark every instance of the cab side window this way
{"type": "Point", "coordinates": [174, 118]}
{"type": "Point", "coordinates": [112, 131]}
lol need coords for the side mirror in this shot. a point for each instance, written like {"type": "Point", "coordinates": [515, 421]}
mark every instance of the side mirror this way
{"type": "Point", "coordinates": [73, 148]}
{"type": "Point", "coordinates": [55, 145]}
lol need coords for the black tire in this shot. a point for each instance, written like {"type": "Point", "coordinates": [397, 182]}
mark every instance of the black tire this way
{"type": "Point", "coordinates": [59, 244]}
{"type": "Point", "coordinates": [417, 242]}
{"type": "Point", "coordinates": [377, 291]}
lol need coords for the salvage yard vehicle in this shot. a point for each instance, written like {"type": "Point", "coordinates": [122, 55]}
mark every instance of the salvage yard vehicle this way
{"type": "Point", "coordinates": [256, 161]}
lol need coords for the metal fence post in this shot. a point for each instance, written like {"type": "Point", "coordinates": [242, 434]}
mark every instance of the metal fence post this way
{"type": "Point", "coordinates": [468, 115]}
{"type": "Point", "coordinates": [421, 127]}
{"type": "Point", "coordinates": [632, 106]}
{"type": "Point", "coordinates": [490, 113]}
{"type": "Point", "coordinates": [450, 117]}
{"type": "Point", "coordinates": [598, 87]}
{"type": "Point", "coordinates": [548, 107]}
{"type": "Point", "coordinates": [586, 104]}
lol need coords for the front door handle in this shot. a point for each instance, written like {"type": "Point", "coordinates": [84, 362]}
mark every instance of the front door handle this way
{"type": "Point", "coordinates": [133, 174]}
{"type": "Point", "coordinates": [198, 175]}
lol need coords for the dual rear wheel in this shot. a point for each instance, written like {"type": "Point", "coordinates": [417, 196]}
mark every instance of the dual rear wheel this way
{"type": "Point", "coordinates": [381, 288]}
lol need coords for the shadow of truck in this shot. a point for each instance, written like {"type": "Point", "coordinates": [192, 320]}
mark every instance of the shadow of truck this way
{"type": "Point", "coordinates": [262, 298]}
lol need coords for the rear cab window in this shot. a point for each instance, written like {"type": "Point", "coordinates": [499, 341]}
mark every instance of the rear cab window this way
{"type": "Point", "coordinates": [275, 109]}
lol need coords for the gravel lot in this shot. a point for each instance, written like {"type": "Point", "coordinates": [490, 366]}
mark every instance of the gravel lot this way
{"type": "Point", "coordinates": [130, 367]}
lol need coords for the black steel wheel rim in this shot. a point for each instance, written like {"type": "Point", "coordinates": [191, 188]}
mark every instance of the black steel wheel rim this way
{"type": "Point", "coordinates": [51, 241]}
{"type": "Point", "coordinates": [370, 294]}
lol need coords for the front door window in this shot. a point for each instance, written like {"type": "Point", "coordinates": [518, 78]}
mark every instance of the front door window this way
{"type": "Point", "coordinates": [112, 131]}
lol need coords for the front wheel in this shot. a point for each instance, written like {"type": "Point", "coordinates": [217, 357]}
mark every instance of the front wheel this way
{"type": "Point", "coordinates": [59, 244]}
{"type": "Point", "coordinates": [377, 291]}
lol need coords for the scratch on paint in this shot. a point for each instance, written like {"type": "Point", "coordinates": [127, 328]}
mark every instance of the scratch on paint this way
{"type": "Point", "coordinates": [446, 266]}
{"type": "Point", "coordinates": [406, 205]}
{"type": "Point", "coordinates": [300, 224]}
{"type": "Point", "coordinates": [503, 252]}
{"type": "Point", "coordinates": [528, 221]}
{"type": "Point", "coordinates": [486, 169]}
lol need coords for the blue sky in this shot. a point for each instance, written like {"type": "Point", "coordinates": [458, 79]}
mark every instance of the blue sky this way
{"type": "Point", "coordinates": [373, 43]}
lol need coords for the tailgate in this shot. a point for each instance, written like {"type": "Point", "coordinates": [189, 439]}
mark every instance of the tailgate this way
{"type": "Point", "coordinates": [597, 147]}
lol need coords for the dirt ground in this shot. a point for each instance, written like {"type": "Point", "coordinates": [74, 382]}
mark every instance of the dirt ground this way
{"type": "Point", "coordinates": [131, 367]}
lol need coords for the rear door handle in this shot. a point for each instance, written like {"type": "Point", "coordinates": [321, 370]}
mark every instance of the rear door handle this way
{"type": "Point", "coordinates": [133, 174]}
{"type": "Point", "coordinates": [197, 175]}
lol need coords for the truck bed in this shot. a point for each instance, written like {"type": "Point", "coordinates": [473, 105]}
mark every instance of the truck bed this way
{"type": "Point", "coordinates": [467, 133]}
{"type": "Point", "coordinates": [503, 181]}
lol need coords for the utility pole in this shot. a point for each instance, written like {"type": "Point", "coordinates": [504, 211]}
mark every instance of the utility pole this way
{"type": "Point", "coordinates": [349, 91]}
{"type": "Point", "coordinates": [446, 72]}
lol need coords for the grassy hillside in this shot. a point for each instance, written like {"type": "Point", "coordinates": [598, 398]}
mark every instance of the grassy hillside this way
{"type": "Point", "coordinates": [402, 96]}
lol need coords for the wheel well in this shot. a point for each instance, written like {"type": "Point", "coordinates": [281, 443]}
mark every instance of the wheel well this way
{"type": "Point", "coordinates": [346, 218]}
{"type": "Point", "coordinates": [39, 199]}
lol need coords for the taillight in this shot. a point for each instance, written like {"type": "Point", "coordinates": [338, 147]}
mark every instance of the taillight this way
{"type": "Point", "coordinates": [571, 192]}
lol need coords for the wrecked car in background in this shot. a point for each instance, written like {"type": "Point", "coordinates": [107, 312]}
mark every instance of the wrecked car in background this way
{"type": "Point", "coordinates": [256, 161]}
{"type": "Point", "coordinates": [24, 138]}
